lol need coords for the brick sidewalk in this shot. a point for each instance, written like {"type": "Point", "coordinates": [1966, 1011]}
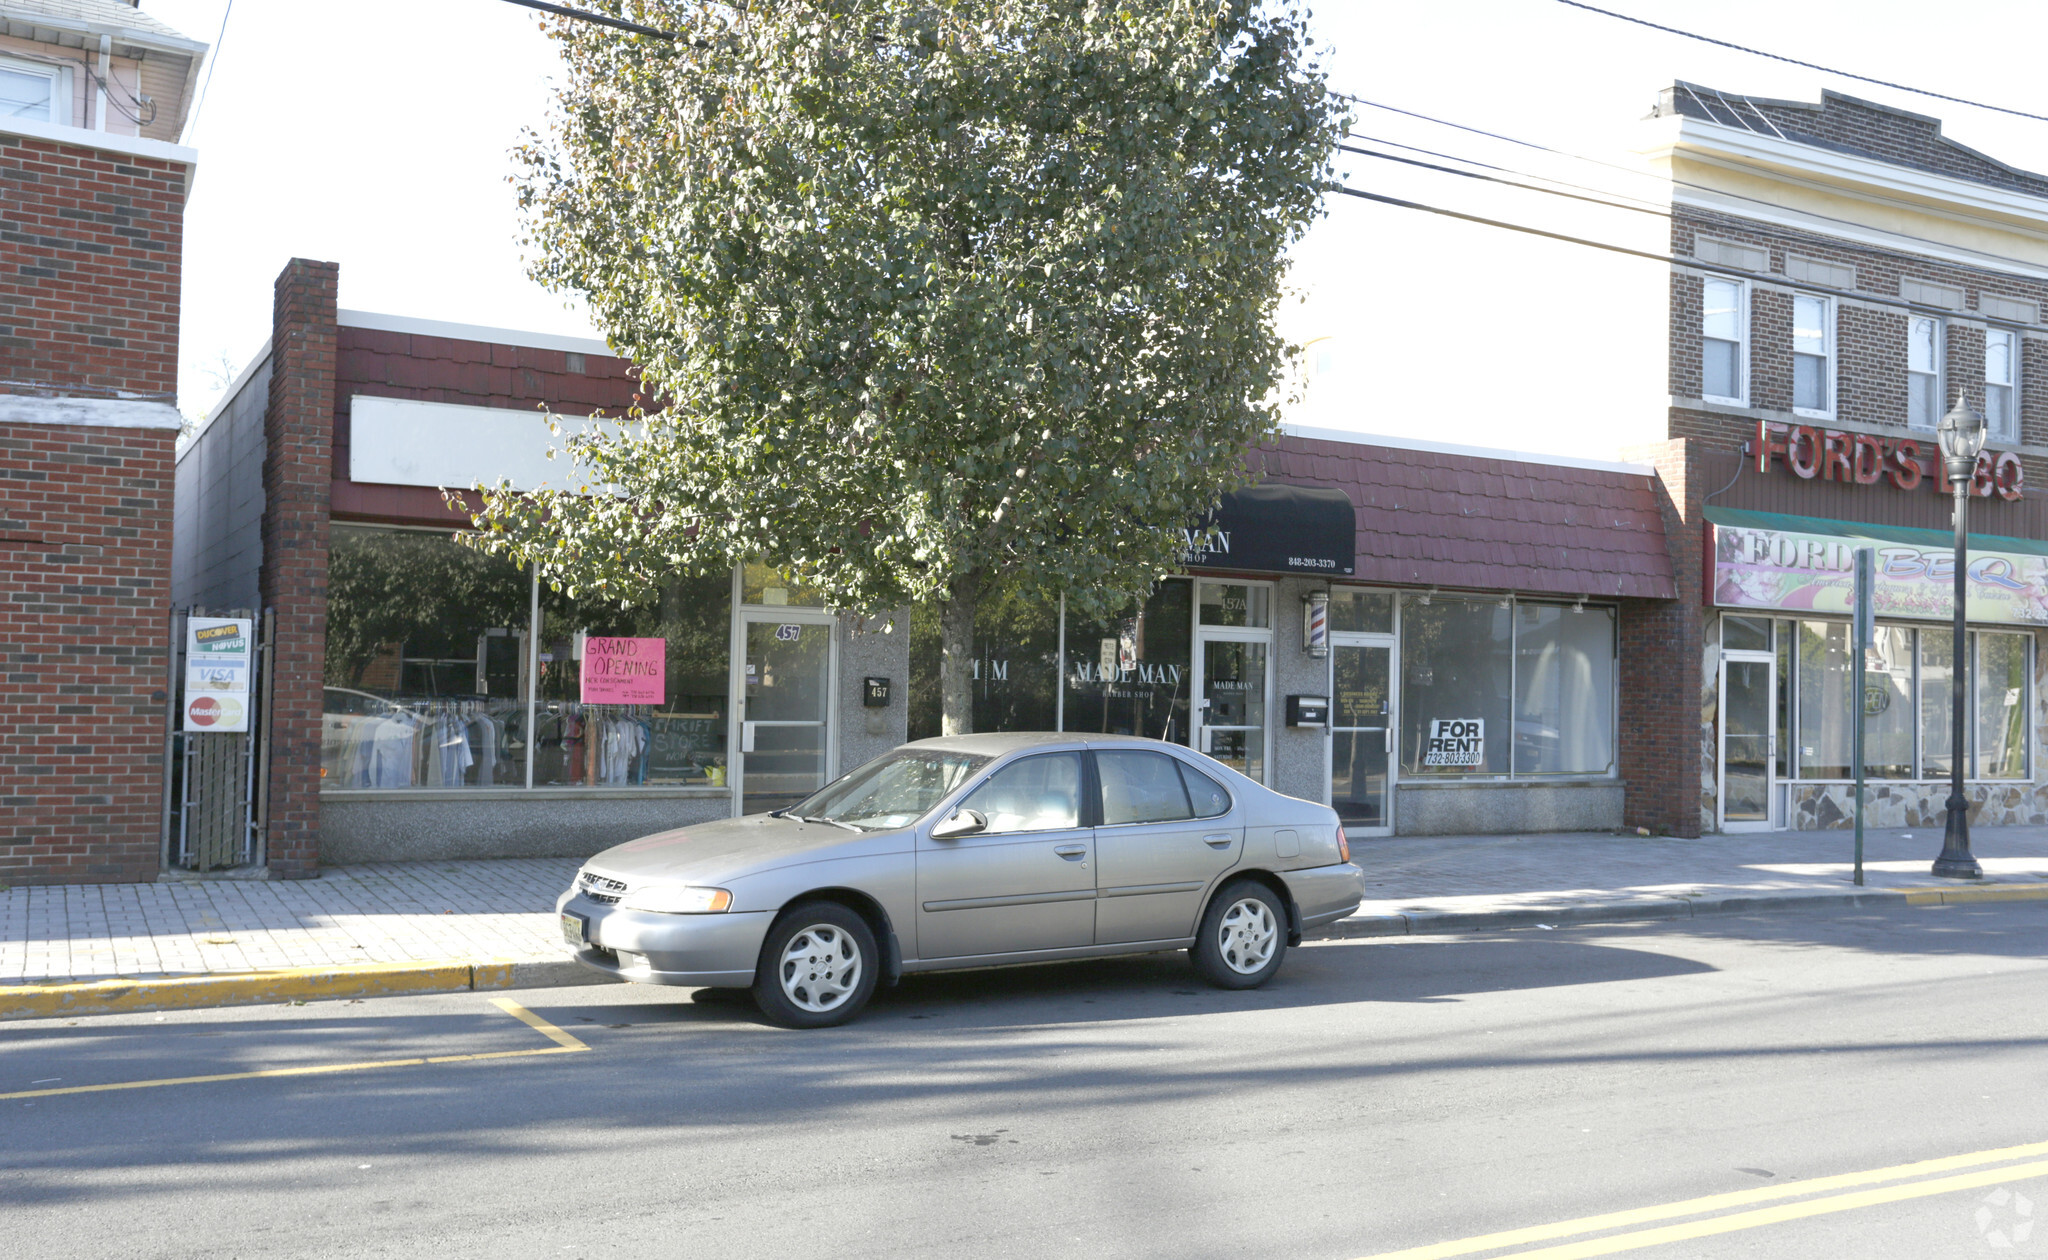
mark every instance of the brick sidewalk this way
{"type": "Point", "coordinates": [501, 909]}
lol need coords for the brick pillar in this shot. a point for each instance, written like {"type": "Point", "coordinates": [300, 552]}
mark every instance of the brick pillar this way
{"type": "Point", "coordinates": [1662, 645]}
{"type": "Point", "coordinates": [298, 436]}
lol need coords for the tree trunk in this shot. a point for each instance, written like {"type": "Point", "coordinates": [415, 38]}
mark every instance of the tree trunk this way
{"type": "Point", "coordinates": [956, 656]}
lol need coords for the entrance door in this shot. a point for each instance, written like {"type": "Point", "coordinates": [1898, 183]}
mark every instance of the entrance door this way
{"type": "Point", "coordinates": [785, 709]}
{"type": "Point", "coordinates": [1748, 732]}
{"type": "Point", "coordinates": [1231, 709]}
{"type": "Point", "coordinates": [1361, 737]}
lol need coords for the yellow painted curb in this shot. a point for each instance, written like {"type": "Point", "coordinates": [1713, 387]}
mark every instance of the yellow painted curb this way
{"type": "Point", "coordinates": [245, 988]}
{"type": "Point", "coordinates": [1978, 892]}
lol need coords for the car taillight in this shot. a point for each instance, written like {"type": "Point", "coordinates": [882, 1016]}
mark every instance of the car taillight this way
{"type": "Point", "coordinates": [1343, 845]}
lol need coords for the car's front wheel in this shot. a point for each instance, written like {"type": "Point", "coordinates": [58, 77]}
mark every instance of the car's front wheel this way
{"type": "Point", "coordinates": [1242, 938]}
{"type": "Point", "coordinates": [817, 967]}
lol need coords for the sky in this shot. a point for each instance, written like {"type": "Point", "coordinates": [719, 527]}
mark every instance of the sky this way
{"type": "Point", "coordinates": [377, 135]}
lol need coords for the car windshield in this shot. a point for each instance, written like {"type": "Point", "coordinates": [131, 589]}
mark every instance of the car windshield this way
{"type": "Point", "coordinates": [891, 792]}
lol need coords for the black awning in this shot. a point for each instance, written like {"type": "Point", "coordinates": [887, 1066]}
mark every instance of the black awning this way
{"type": "Point", "coordinates": [1275, 528]}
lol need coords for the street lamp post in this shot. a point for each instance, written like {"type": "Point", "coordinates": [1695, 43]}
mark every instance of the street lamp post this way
{"type": "Point", "coordinates": [1962, 437]}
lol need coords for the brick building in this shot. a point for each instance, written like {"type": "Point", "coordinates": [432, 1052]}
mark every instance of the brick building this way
{"type": "Point", "coordinates": [1845, 273]}
{"type": "Point", "coordinates": [93, 99]}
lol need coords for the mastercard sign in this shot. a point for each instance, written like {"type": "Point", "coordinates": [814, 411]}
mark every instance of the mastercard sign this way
{"type": "Point", "coordinates": [219, 659]}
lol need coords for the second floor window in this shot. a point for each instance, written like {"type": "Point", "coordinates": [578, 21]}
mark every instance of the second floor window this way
{"type": "Point", "coordinates": [1722, 331]}
{"type": "Point", "coordinates": [1923, 371]}
{"type": "Point", "coordinates": [2001, 378]}
{"type": "Point", "coordinates": [1813, 355]}
{"type": "Point", "coordinates": [28, 91]}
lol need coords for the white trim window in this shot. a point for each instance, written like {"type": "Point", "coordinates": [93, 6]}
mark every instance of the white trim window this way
{"type": "Point", "coordinates": [1813, 356]}
{"type": "Point", "coordinates": [1724, 341]}
{"type": "Point", "coordinates": [2001, 382]}
{"type": "Point", "coordinates": [33, 91]}
{"type": "Point", "coordinates": [1923, 371]}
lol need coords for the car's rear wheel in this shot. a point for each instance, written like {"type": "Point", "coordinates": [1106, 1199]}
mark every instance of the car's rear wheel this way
{"type": "Point", "coordinates": [817, 967]}
{"type": "Point", "coordinates": [1242, 938]}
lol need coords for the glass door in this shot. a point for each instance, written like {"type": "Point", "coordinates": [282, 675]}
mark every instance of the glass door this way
{"type": "Point", "coordinates": [1748, 727]}
{"type": "Point", "coordinates": [1231, 707]}
{"type": "Point", "coordinates": [1361, 736]}
{"type": "Point", "coordinates": [785, 708]}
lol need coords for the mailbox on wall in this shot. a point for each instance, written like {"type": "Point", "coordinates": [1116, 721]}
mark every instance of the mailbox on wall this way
{"type": "Point", "coordinates": [1308, 711]}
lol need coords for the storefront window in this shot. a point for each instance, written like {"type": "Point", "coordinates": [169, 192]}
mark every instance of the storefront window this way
{"type": "Point", "coordinates": [635, 696]}
{"type": "Point", "coordinates": [1564, 689]}
{"type": "Point", "coordinates": [1131, 675]}
{"type": "Point", "coordinates": [425, 663]}
{"type": "Point", "coordinates": [2001, 707]}
{"type": "Point", "coordinates": [1456, 668]}
{"type": "Point", "coordinates": [1015, 667]}
{"type": "Point", "coordinates": [1236, 604]}
{"type": "Point", "coordinates": [1365, 612]}
{"type": "Point", "coordinates": [1906, 694]}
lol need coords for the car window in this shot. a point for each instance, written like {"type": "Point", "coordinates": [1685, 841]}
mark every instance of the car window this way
{"type": "Point", "coordinates": [1207, 796]}
{"type": "Point", "coordinates": [1035, 794]}
{"type": "Point", "coordinates": [1140, 787]}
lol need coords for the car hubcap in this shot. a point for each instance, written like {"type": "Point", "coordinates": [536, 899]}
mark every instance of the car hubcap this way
{"type": "Point", "coordinates": [1247, 936]}
{"type": "Point", "coordinates": [820, 967]}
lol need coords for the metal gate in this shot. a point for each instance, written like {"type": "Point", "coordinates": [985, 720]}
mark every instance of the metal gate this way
{"type": "Point", "coordinates": [213, 798]}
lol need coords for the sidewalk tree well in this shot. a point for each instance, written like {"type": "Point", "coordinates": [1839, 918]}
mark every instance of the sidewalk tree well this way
{"type": "Point", "coordinates": [924, 293]}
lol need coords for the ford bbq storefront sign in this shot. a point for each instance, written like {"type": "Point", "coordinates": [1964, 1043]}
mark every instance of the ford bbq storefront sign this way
{"type": "Point", "coordinates": [1275, 528]}
{"type": "Point", "coordinates": [1796, 564]}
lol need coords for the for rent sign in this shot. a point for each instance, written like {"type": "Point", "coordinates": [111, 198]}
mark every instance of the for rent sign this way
{"type": "Point", "coordinates": [1456, 742]}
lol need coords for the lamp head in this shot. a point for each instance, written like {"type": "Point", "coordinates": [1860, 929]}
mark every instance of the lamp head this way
{"type": "Point", "coordinates": [1961, 434]}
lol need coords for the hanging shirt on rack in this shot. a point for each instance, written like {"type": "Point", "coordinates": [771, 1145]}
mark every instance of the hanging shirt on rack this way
{"type": "Point", "coordinates": [623, 740]}
{"type": "Point", "coordinates": [451, 739]}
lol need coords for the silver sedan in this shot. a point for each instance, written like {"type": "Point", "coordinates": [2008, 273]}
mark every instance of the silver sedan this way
{"type": "Point", "coordinates": [970, 851]}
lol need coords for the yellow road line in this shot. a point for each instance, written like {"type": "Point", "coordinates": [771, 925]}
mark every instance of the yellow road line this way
{"type": "Point", "coordinates": [1783, 1212]}
{"type": "Point", "coordinates": [1711, 1203]}
{"type": "Point", "coordinates": [564, 1044]}
{"type": "Point", "coordinates": [535, 1022]}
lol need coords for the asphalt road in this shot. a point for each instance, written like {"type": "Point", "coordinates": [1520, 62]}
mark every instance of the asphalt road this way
{"type": "Point", "coordinates": [1379, 1095]}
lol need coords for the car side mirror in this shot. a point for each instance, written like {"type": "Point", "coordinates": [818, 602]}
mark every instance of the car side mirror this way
{"type": "Point", "coordinates": [963, 822]}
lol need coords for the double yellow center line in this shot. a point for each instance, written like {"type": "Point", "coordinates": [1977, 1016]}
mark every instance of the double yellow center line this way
{"type": "Point", "coordinates": [565, 1043]}
{"type": "Point", "coordinates": [1918, 1181]}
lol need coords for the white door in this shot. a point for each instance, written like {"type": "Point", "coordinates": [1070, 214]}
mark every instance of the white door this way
{"type": "Point", "coordinates": [1233, 670]}
{"type": "Point", "coordinates": [1749, 742]}
{"type": "Point", "coordinates": [784, 709]}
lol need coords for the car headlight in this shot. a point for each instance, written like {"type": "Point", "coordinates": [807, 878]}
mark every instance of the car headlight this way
{"type": "Point", "coordinates": [677, 899]}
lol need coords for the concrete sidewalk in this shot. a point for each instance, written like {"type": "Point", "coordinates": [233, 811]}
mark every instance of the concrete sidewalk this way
{"type": "Point", "coordinates": [424, 926]}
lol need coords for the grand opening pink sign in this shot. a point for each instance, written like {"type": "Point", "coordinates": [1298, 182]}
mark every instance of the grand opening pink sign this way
{"type": "Point", "coordinates": [624, 671]}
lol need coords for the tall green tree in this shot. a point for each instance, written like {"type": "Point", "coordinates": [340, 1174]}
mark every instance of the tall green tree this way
{"type": "Point", "coordinates": [924, 292]}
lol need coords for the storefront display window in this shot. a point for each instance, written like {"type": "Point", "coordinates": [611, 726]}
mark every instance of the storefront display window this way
{"type": "Point", "coordinates": [433, 674]}
{"type": "Point", "coordinates": [1907, 704]}
{"type": "Point", "coordinates": [1564, 689]}
{"type": "Point", "coordinates": [1131, 675]}
{"type": "Point", "coordinates": [1015, 668]}
{"type": "Point", "coordinates": [425, 663]}
{"type": "Point", "coordinates": [1457, 665]}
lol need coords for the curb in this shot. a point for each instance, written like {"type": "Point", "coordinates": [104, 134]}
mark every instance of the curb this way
{"type": "Point", "coordinates": [1640, 910]}
{"type": "Point", "coordinates": [290, 984]}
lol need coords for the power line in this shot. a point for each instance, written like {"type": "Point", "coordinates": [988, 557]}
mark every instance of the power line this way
{"type": "Point", "coordinates": [600, 19]}
{"type": "Point", "coordinates": [1691, 264]}
{"type": "Point", "coordinates": [1794, 61]}
{"type": "Point", "coordinates": [1495, 179]}
{"type": "Point", "coordinates": [213, 61]}
{"type": "Point", "coordinates": [1875, 250]}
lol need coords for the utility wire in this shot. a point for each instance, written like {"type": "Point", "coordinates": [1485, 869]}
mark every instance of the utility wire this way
{"type": "Point", "coordinates": [1794, 61]}
{"type": "Point", "coordinates": [600, 19]}
{"type": "Point", "coordinates": [211, 62]}
{"type": "Point", "coordinates": [2028, 265]}
{"type": "Point", "coordinates": [1495, 179]}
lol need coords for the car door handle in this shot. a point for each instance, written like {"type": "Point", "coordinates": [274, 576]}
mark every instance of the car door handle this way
{"type": "Point", "coordinates": [1071, 850]}
{"type": "Point", "coordinates": [1220, 840]}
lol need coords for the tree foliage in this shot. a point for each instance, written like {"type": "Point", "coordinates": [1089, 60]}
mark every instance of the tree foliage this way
{"type": "Point", "coordinates": [923, 292]}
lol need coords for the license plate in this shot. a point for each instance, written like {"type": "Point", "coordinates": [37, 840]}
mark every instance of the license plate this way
{"type": "Point", "coordinates": [572, 929]}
